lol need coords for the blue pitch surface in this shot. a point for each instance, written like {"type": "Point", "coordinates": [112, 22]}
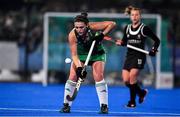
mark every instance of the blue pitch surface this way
{"type": "Point", "coordinates": [32, 99]}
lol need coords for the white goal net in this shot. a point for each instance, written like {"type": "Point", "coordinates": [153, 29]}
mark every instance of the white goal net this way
{"type": "Point", "coordinates": [56, 49]}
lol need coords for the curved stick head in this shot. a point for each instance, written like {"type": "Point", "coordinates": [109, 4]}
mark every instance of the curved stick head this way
{"type": "Point", "coordinates": [69, 98]}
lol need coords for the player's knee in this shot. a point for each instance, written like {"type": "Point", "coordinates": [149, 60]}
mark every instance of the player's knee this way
{"type": "Point", "coordinates": [133, 81]}
{"type": "Point", "coordinates": [125, 79]}
{"type": "Point", "coordinates": [99, 76]}
{"type": "Point", "coordinates": [133, 76]}
{"type": "Point", "coordinates": [73, 78]}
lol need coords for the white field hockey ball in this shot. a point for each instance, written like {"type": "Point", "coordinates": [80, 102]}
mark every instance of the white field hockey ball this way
{"type": "Point", "coordinates": [67, 60]}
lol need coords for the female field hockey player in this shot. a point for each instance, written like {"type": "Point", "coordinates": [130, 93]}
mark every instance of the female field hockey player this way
{"type": "Point", "coordinates": [80, 39]}
{"type": "Point", "coordinates": [135, 34]}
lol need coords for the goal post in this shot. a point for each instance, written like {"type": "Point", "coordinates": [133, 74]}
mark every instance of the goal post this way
{"type": "Point", "coordinates": [104, 16]}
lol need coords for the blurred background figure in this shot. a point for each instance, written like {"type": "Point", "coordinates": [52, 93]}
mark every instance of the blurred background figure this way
{"type": "Point", "coordinates": [136, 34]}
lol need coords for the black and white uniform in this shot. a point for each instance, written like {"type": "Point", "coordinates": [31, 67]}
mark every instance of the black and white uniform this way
{"type": "Point", "coordinates": [136, 37]}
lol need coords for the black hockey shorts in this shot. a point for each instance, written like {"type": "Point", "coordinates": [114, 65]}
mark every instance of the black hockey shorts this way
{"type": "Point", "coordinates": [134, 62]}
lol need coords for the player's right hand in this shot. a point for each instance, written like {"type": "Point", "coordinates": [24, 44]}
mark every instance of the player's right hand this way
{"type": "Point", "coordinates": [81, 73]}
{"type": "Point", "coordinates": [152, 52]}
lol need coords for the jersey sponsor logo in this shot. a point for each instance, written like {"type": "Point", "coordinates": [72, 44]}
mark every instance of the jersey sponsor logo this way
{"type": "Point", "coordinates": [134, 41]}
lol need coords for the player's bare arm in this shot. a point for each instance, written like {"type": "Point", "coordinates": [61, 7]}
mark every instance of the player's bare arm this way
{"type": "Point", "coordinates": [73, 47]}
{"type": "Point", "coordinates": [105, 26]}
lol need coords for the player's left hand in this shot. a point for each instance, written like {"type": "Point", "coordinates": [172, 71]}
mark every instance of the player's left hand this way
{"type": "Point", "coordinates": [153, 52]}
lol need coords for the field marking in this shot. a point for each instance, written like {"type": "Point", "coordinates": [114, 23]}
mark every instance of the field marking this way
{"type": "Point", "coordinates": [85, 111]}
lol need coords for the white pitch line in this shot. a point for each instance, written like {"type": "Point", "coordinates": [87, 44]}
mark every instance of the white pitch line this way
{"type": "Point", "coordinates": [111, 112]}
{"type": "Point", "coordinates": [27, 109]}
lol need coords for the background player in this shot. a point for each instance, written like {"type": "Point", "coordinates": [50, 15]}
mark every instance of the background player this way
{"type": "Point", "coordinates": [135, 34]}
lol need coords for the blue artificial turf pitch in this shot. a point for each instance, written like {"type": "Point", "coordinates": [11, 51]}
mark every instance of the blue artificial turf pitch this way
{"type": "Point", "coordinates": [32, 99]}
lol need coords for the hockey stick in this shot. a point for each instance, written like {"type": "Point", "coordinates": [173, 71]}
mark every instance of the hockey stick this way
{"type": "Point", "coordinates": [80, 80]}
{"type": "Point", "coordinates": [138, 49]}
{"type": "Point", "coordinates": [129, 46]}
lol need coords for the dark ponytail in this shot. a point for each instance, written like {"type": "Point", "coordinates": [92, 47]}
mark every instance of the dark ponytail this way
{"type": "Point", "coordinates": [82, 18]}
{"type": "Point", "coordinates": [84, 14]}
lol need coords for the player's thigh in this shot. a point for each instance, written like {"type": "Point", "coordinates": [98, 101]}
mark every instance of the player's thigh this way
{"type": "Point", "coordinates": [98, 70]}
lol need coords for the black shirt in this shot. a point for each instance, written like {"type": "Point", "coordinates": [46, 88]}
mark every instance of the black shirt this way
{"type": "Point", "coordinates": [137, 36]}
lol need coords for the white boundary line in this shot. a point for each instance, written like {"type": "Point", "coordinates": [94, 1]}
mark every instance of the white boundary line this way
{"type": "Point", "coordinates": [111, 112]}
